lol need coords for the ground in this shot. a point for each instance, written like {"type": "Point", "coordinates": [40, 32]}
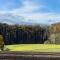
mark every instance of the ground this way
{"type": "Point", "coordinates": [34, 47]}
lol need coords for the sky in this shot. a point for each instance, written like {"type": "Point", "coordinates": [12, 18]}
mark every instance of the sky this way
{"type": "Point", "coordinates": [30, 11]}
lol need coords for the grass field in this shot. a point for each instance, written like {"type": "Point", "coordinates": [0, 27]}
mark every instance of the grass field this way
{"type": "Point", "coordinates": [34, 47]}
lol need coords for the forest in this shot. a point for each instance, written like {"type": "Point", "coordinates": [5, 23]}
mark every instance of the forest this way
{"type": "Point", "coordinates": [24, 34]}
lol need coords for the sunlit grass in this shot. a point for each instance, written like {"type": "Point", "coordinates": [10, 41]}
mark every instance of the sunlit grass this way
{"type": "Point", "coordinates": [35, 47]}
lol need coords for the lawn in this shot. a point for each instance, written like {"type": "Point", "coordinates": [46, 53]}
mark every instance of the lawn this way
{"type": "Point", "coordinates": [34, 47]}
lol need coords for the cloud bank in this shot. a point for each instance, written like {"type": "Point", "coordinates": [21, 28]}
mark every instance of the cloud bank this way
{"type": "Point", "coordinates": [34, 11]}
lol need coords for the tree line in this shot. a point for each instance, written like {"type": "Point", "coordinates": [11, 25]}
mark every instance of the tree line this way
{"type": "Point", "coordinates": [24, 34]}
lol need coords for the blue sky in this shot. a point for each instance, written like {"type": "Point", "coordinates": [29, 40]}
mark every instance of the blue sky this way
{"type": "Point", "coordinates": [34, 11]}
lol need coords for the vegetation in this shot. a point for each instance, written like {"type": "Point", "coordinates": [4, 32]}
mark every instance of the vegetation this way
{"type": "Point", "coordinates": [18, 34]}
{"type": "Point", "coordinates": [54, 37]}
{"type": "Point", "coordinates": [34, 47]}
{"type": "Point", "coordinates": [1, 43]}
{"type": "Point", "coordinates": [30, 34]}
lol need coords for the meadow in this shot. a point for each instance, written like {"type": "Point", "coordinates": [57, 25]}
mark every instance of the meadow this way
{"type": "Point", "coordinates": [34, 47]}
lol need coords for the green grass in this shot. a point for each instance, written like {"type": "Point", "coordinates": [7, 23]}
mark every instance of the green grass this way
{"type": "Point", "coordinates": [34, 47]}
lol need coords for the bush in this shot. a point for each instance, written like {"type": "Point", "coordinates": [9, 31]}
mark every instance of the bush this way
{"type": "Point", "coordinates": [1, 42]}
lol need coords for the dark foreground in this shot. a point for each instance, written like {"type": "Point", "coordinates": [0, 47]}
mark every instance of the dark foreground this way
{"type": "Point", "coordinates": [29, 56]}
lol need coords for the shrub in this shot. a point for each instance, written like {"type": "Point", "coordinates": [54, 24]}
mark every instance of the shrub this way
{"type": "Point", "coordinates": [1, 42]}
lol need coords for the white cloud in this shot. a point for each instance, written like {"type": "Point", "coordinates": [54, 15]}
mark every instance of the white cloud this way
{"type": "Point", "coordinates": [27, 12]}
{"type": "Point", "coordinates": [27, 7]}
